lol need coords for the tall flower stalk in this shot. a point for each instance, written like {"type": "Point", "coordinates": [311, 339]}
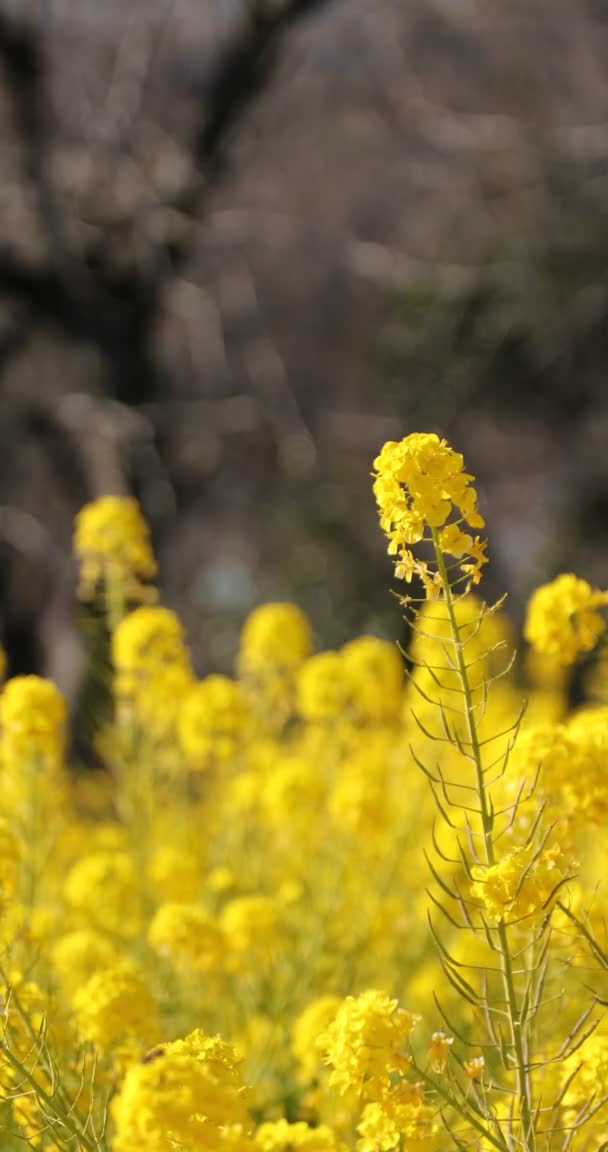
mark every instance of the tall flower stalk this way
{"type": "Point", "coordinates": [507, 874]}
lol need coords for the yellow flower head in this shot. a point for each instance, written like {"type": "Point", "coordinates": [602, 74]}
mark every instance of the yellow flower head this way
{"type": "Point", "coordinates": [78, 955]}
{"type": "Point", "coordinates": [115, 1005]}
{"type": "Point", "coordinates": [401, 1117]}
{"type": "Point", "coordinates": [439, 1051]}
{"type": "Point", "coordinates": [281, 1136]}
{"type": "Point", "coordinates": [184, 1094]}
{"type": "Point", "coordinates": [563, 619]}
{"type": "Point", "coordinates": [32, 723]}
{"type": "Point", "coordinates": [112, 543]}
{"type": "Point", "coordinates": [103, 887]}
{"type": "Point", "coordinates": [214, 722]}
{"type": "Point", "coordinates": [275, 640]}
{"type": "Point", "coordinates": [147, 640]}
{"type": "Point", "coordinates": [365, 1041]}
{"type": "Point", "coordinates": [520, 885]}
{"type": "Point", "coordinates": [275, 635]}
{"type": "Point", "coordinates": [323, 687]}
{"type": "Point", "coordinates": [419, 484]}
{"type": "Point", "coordinates": [474, 1067]}
{"type": "Point", "coordinates": [309, 1026]}
{"type": "Point", "coordinates": [250, 927]}
{"type": "Point", "coordinates": [293, 793]}
{"type": "Point", "coordinates": [152, 667]}
{"type": "Point", "coordinates": [374, 669]}
{"type": "Point", "coordinates": [187, 935]}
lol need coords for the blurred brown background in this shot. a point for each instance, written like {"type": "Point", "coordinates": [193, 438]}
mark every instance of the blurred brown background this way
{"type": "Point", "coordinates": [243, 243]}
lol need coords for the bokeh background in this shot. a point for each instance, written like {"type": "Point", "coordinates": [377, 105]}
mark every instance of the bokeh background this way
{"type": "Point", "coordinates": [243, 243]}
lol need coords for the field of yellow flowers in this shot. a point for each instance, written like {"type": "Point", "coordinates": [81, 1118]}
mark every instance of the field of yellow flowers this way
{"type": "Point", "coordinates": [347, 900]}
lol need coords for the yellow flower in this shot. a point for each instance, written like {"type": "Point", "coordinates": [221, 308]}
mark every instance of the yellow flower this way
{"type": "Point", "coordinates": [116, 1005]}
{"type": "Point", "coordinates": [474, 1067]}
{"type": "Point", "coordinates": [419, 483]}
{"type": "Point", "coordinates": [32, 722]}
{"type": "Point", "coordinates": [146, 640]}
{"type": "Point", "coordinates": [323, 687]}
{"type": "Point", "coordinates": [112, 542]}
{"type": "Point", "coordinates": [214, 722]}
{"type": "Point", "coordinates": [152, 669]}
{"type": "Point", "coordinates": [76, 957]}
{"type": "Point", "coordinates": [374, 670]}
{"type": "Point", "coordinates": [281, 1136]}
{"type": "Point", "coordinates": [104, 887]}
{"type": "Point", "coordinates": [520, 885]}
{"type": "Point", "coordinates": [275, 640]}
{"type": "Point", "coordinates": [400, 1115]}
{"type": "Point", "coordinates": [309, 1026]}
{"type": "Point", "coordinates": [187, 935]}
{"type": "Point", "coordinates": [562, 620]}
{"type": "Point", "coordinates": [439, 1050]}
{"type": "Point", "coordinates": [184, 1094]}
{"type": "Point", "coordinates": [275, 635]}
{"type": "Point", "coordinates": [293, 792]}
{"type": "Point", "coordinates": [251, 928]}
{"type": "Point", "coordinates": [365, 1041]}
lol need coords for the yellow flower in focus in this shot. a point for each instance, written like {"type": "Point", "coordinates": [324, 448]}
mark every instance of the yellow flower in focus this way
{"type": "Point", "coordinates": [187, 935]}
{"type": "Point", "coordinates": [112, 543]}
{"type": "Point", "coordinates": [365, 1041]}
{"type": "Point", "coordinates": [116, 1005]}
{"type": "Point", "coordinates": [562, 620]}
{"type": "Point", "coordinates": [519, 885]}
{"type": "Point", "coordinates": [214, 722]}
{"type": "Point", "coordinates": [184, 1094]}
{"type": "Point", "coordinates": [400, 1115]}
{"type": "Point", "coordinates": [419, 483]}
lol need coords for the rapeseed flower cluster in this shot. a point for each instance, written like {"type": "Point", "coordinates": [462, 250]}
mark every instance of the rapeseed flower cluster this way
{"type": "Point", "coordinates": [338, 901]}
{"type": "Point", "coordinates": [564, 619]}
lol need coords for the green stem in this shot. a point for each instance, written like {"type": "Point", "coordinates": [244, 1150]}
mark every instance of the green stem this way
{"type": "Point", "coordinates": [63, 1113]}
{"type": "Point", "coordinates": [51, 1103]}
{"type": "Point", "coordinates": [516, 1024]}
{"type": "Point", "coordinates": [598, 952]}
{"type": "Point", "coordinates": [469, 1116]}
